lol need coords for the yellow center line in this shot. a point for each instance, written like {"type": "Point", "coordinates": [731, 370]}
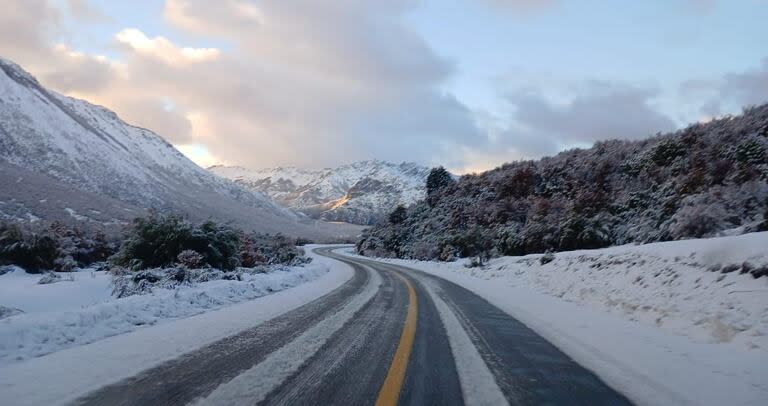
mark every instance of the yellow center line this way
{"type": "Point", "coordinates": [390, 390]}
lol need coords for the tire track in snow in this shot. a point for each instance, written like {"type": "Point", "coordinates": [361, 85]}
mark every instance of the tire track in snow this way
{"type": "Point", "coordinates": [253, 385]}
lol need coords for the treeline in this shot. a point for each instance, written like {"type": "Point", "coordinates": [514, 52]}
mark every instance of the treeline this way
{"type": "Point", "coordinates": [158, 240]}
{"type": "Point", "coordinates": [691, 183]}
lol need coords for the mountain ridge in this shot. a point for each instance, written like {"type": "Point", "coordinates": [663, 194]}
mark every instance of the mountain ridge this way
{"type": "Point", "coordinates": [89, 147]}
{"type": "Point", "coordinates": [361, 192]}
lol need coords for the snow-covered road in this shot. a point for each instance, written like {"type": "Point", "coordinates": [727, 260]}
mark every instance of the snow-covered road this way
{"type": "Point", "coordinates": [373, 332]}
{"type": "Point", "coordinates": [400, 331]}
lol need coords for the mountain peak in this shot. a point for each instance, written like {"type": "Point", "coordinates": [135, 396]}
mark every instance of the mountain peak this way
{"type": "Point", "coordinates": [360, 192]}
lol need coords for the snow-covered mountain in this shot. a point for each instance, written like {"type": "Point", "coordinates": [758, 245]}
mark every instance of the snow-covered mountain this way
{"type": "Point", "coordinates": [360, 192]}
{"type": "Point", "coordinates": [90, 148]}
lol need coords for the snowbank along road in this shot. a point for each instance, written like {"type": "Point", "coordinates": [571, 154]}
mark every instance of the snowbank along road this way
{"type": "Point", "coordinates": [389, 335]}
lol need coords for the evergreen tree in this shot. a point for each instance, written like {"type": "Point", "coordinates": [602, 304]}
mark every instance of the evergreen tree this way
{"type": "Point", "coordinates": [438, 178]}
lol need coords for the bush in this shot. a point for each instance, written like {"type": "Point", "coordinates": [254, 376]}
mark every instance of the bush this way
{"type": "Point", "coordinates": [64, 264]}
{"type": "Point", "coordinates": [265, 249]}
{"type": "Point", "coordinates": [667, 151]}
{"type": "Point", "coordinates": [474, 242]}
{"type": "Point", "coordinates": [189, 259]}
{"type": "Point", "coordinates": [547, 258]}
{"type": "Point", "coordinates": [82, 245]}
{"type": "Point", "coordinates": [157, 241]}
{"type": "Point", "coordinates": [51, 277]}
{"type": "Point", "coordinates": [31, 251]}
{"type": "Point", "coordinates": [698, 221]}
{"type": "Point", "coordinates": [398, 215]}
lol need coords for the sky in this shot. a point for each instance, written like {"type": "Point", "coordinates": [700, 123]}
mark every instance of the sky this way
{"type": "Point", "coordinates": [467, 84]}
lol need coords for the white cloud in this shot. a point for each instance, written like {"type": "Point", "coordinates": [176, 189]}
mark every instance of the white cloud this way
{"type": "Point", "coordinates": [730, 92]}
{"type": "Point", "coordinates": [602, 110]}
{"type": "Point", "coordinates": [226, 17]}
{"type": "Point", "coordinates": [318, 83]}
{"type": "Point", "coordinates": [305, 84]}
{"type": "Point", "coordinates": [161, 48]}
{"type": "Point", "coordinates": [83, 10]}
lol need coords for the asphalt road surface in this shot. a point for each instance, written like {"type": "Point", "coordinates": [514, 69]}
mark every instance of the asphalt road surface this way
{"type": "Point", "coordinates": [390, 335]}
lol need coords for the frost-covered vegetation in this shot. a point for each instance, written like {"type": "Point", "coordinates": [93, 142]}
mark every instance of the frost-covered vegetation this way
{"type": "Point", "coordinates": [692, 183]}
{"type": "Point", "coordinates": [153, 242]}
{"type": "Point", "coordinates": [39, 247]}
{"type": "Point", "coordinates": [159, 268]}
{"type": "Point", "coordinates": [78, 308]}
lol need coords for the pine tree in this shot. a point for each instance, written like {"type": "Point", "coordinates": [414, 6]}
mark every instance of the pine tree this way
{"type": "Point", "coordinates": [437, 180]}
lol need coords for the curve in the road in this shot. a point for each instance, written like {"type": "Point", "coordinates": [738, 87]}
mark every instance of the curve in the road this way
{"type": "Point", "coordinates": [380, 338]}
{"type": "Point", "coordinates": [526, 367]}
{"type": "Point", "coordinates": [196, 374]}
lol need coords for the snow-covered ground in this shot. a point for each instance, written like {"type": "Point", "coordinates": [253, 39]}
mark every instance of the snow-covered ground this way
{"type": "Point", "coordinates": [652, 320]}
{"type": "Point", "coordinates": [82, 310]}
{"type": "Point", "coordinates": [121, 356]}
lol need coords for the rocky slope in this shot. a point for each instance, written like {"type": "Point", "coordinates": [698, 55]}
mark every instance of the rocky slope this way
{"type": "Point", "coordinates": [78, 148]}
{"type": "Point", "coordinates": [361, 192]}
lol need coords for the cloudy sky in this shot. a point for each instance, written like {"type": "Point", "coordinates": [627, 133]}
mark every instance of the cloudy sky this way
{"type": "Point", "coordinates": [468, 84]}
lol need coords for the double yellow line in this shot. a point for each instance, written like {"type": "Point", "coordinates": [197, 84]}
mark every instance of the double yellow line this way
{"type": "Point", "coordinates": [393, 383]}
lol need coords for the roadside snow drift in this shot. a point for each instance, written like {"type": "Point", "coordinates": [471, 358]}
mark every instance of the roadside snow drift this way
{"type": "Point", "coordinates": [73, 372]}
{"type": "Point", "coordinates": [68, 313]}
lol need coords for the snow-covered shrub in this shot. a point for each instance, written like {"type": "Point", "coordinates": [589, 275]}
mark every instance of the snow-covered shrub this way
{"type": "Point", "coordinates": [41, 246]}
{"type": "Point", "coordinates": [165, 251]}
{"type": "Point", "coordinates": [667, 151]}
{"type": "Point", "coordinates": [83, 244]}
{"type": "Point", "coordinates": [189, 259]}
{"type": "Point", "coordinates": [475, 243]}
{"type": "Point", "coordinates": [698, 220]}
{"type": "Point", "coordinates": [448, 253]}
{"type": "Point", "coordinates": [32, 251]}
{"type": "Point", "coordinates": [266, 249]}
{"type": "Point", "coordinates": [424, 250]}
{"type": "Point", "coordinates": [64, 264]}
{"type": "Point", "coordinates": [157, 240]}
{"type": "Point", "coordinates": [128, 283]}
{"type": "Point", "coordinates": [51, 277]}
{"type": "Point", "coordinates": [144, 281]}
{"type": "Point", "coordinates": [249, 255]}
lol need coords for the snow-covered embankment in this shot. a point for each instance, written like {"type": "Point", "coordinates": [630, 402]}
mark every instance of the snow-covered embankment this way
{"type": "Point", "coordinates": [79, 309]}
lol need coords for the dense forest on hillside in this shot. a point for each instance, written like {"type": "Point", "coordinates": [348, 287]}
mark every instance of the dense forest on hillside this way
{"type": "Point", "coordinates": [696, 182]}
